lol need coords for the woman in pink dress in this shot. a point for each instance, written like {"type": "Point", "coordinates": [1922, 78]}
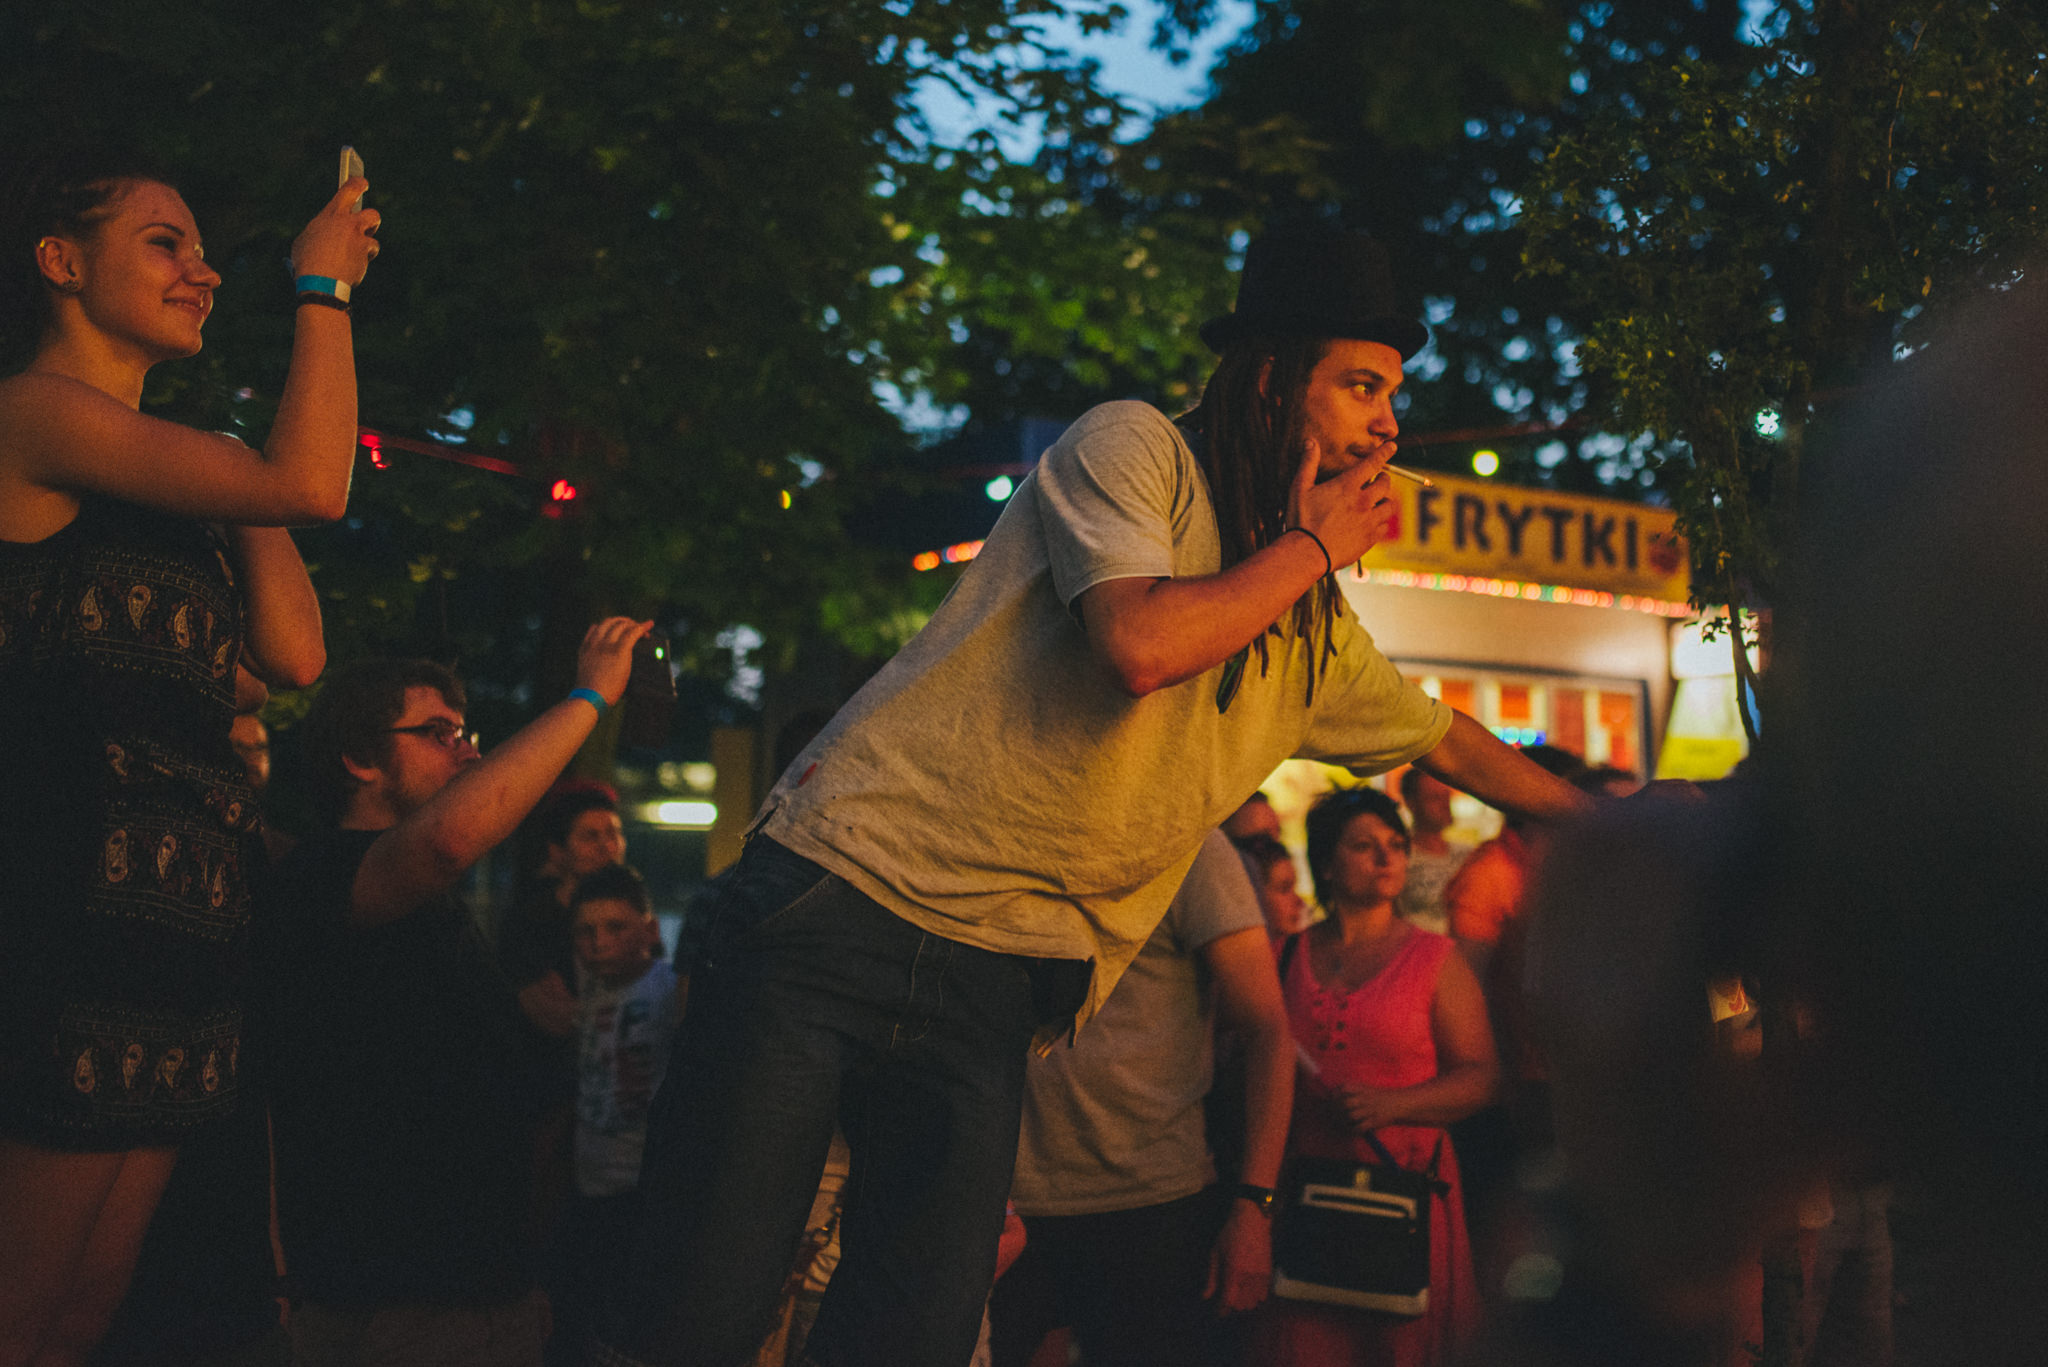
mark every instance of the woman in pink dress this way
{"type": "Point", "coordinates": [1394, 1040]}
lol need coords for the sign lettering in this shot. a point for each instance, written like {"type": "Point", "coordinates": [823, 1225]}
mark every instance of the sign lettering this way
{"type": "Point", "coordinates": [1475, 527]}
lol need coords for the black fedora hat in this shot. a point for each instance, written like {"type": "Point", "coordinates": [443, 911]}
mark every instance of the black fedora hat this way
{"type": "Point", "coordinates": [1318, 280]}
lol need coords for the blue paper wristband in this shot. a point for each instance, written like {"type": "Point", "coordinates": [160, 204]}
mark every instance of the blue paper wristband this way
{"type": "Point", "coordinates": [593, 697]}
{"type": "Point", "coordinates": [322, 284]}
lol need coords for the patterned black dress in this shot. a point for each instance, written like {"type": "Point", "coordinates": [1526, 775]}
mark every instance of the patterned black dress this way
{"type": "Point", "coordinates": [128, 832]}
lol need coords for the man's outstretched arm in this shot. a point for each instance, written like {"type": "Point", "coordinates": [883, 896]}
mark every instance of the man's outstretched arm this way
{"type": "Point", "coordinates": [429, 850]}
{"type": "Point", "coordinates": [1474, 760]}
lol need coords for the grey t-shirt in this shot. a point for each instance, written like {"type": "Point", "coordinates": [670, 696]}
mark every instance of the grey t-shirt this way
{"type": "Point", "coordinates": [1115, 1121]}
{"type": "Point", "coordinates": [994, 785]}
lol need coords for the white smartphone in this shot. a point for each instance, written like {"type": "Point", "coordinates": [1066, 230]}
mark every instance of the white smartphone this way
{"type": "Point", "coordinates": [351, 167]}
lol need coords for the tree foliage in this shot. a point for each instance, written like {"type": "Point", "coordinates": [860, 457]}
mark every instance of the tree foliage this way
{"type": "Point", "coordinates": [1422, 123]}
{"type": "Point", "coordinates": [1748, 235]}
{"type": "Point", "coordinates": [646, 248]}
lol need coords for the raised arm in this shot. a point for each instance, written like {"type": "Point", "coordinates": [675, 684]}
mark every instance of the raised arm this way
{"type": "Point", "coordinates": [1474, 760]}
{"type": "Point", "coordinates": [1154, 633]}
{"type": "Point", "coordinates": [428, 852]}
{"type": "Point", "coordinates": [1248, 998]}
{"type": "Point", "coordinates": [65, 436]}
{"type": "Point", "coordinates": [284, 646]}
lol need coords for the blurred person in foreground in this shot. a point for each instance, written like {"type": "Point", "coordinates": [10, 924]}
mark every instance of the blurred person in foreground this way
{"type": "Point", "coordinates": [1880, 870]}
{"type": "Point", "coordinates": [1394, 1043]}
{"type": "Point", "coordinates": [141, 564]}
{"type": "Point", "coordinates": [1131, 1238]}
{"type": "Point", "coordinates": [1490, 890]}
{"type": "Point", "coordinates": [1487, 905]}
{"type": "Point", "coordinates": [982, 840]}
{"type": "Point", "coordinates": [400, 1114]}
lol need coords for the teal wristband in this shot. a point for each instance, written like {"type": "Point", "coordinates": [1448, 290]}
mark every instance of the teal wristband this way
{"type": "Point", "coordinates": [594, 698]}
{"type": "Point", "coordinates": [322, 284]}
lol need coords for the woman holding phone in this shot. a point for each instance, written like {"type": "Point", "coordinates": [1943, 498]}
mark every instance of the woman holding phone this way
{"type": "Point", "coordinates": [144, 570]}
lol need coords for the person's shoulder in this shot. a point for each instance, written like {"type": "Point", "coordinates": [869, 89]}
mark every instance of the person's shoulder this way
{"type": "Point", "coordinates": [1490, 852]}
{"type": "Point", "coordinates": [1432, 943]}
{"type": "Point", "coordinates": [29, 397]}
{"type": "Point", "coordinates": [1485, 867]}
{"type": "Point", "coordinates": [1119, 412]}
{"type": "Point", "coordinates": [1123, 420]}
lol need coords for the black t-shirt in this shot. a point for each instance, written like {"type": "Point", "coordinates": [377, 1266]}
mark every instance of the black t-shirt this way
{"type": "Point", "coordinates": [402, 1136]}
{"type": "Point", "coordinates": [535, 940]}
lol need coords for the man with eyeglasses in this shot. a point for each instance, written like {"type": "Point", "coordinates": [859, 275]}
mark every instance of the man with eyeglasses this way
{"type": "Point", "coordinates": [400, 1108]}
{"type": "Point", "coordinates": [979, 844]}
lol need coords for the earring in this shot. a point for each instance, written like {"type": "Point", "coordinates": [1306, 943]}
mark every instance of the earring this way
{"type": "Point", "coordinates": [70, 286]}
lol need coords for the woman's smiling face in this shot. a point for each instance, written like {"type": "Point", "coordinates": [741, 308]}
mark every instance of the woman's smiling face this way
{"type": "Point", "coordinates": [142, 275]}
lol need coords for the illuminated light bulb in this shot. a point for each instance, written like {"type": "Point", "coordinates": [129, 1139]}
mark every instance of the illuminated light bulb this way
{"type": "Point", "coordinates": [999, 488]}
{"type": "Point", "coordinates": [1486, 463]}
{"type": "Point", "coordinates": [680, 814]}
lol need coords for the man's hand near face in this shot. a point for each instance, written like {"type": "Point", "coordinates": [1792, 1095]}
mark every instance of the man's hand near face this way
{"type": "Point", "coordinates": [1349, 512]}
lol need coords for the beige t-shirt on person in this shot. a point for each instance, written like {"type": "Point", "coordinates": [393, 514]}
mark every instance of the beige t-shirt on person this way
{"type": "Point", "coordinates": [994, 785]}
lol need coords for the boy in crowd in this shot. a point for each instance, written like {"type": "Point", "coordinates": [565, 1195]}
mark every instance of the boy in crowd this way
{"type": "Point", "coordinates": [583, 834]}
{"type": "Point", "coordinates": [580, 827]}
{"type": "Point", "coordinates": [625, 1014]}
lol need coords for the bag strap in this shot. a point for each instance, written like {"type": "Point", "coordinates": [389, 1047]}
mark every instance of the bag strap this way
{"type": "Point", "coordinates": [1429, 1174]}
{"type": "Point", "coordinates": [1372, 1138]}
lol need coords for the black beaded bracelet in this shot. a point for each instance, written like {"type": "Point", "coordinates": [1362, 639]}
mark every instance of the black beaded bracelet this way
{"type": "Point", "coordinates": [329, 301]}
{"type": "Point", "coordinates": [1329, 565]}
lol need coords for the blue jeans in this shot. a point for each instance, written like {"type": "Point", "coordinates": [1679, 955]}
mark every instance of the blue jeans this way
{"type": "Point", "coordinates": [814, 1005]}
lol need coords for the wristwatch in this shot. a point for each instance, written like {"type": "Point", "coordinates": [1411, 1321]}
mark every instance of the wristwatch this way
{"type": "Point", "coordinates": [1262, 1197]}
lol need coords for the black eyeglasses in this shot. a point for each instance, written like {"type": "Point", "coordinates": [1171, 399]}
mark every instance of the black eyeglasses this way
{"type": "Point", "coordinates": [445, 733]}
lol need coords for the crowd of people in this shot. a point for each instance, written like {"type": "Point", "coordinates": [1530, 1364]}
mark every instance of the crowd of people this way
{"type": "Point", "coordinates": [1013, 960]}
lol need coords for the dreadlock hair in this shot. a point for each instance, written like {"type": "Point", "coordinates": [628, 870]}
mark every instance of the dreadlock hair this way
{"type": "Point", "coordinates": [1251, 419]}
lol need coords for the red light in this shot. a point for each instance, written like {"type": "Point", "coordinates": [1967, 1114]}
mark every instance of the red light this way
{"type": "Point", "coordinates": [374, 444]}
{"type": "Point", "coordinates": [562, 491]}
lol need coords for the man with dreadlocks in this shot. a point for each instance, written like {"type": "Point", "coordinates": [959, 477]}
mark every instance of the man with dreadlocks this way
{"type": "Point", "coordinates": [984, 837]}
